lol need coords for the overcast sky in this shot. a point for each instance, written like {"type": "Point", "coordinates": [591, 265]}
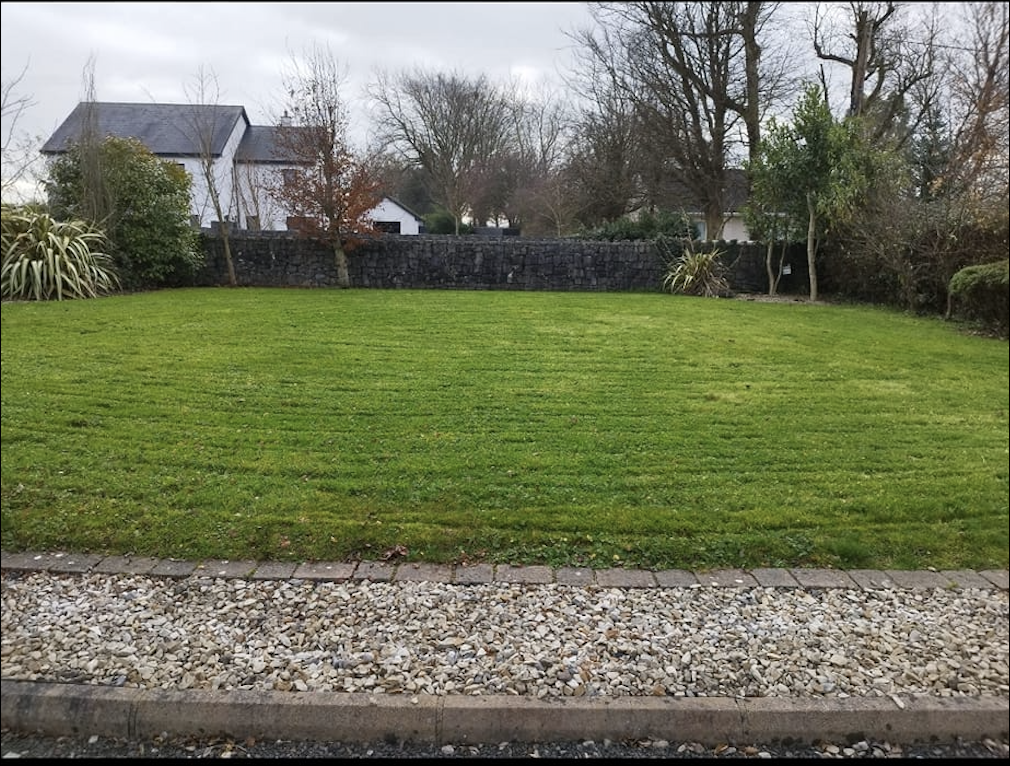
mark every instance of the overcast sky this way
{"type": "Point", "coordinates": [151, 52]}
{"type": "Point", "coordinates": [154, 52]}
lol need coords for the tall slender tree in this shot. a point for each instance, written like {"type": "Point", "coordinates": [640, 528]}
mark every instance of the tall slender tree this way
{"type": "Point", "coordinates": [202, 125]}
{"type": "Point", "coordinates": [19, 153]}
{"type": "Point", "coordinates": [97, 202]}
{"type": "Point", "coordinates": [773, 212]}
{"type": "Point", "coordinates": [812, 169]}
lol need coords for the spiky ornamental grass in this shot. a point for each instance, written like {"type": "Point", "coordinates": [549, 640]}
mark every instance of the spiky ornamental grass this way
{"type": "Point", "coordinates": [597, 429]}
{"type": "Point", "coordinates": [46, 259]}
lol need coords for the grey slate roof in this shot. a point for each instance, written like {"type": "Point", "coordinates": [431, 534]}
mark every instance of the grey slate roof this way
{"type": "Point", "coordinates": [165, 129]}
{"type": "Point", "coordinates": [677, 195]}
{"type": "Point", "coordinates": [260, 144]}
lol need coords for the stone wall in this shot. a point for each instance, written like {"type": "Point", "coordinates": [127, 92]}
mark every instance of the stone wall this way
{"type": "Point", "coordinates": [279, 259]}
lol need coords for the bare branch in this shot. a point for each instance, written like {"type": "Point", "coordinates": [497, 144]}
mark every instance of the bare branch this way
{"type": "Point", "coordinates": [695, 74]}
{"type": "Point", "coordinates": [202, 127]}
{"type": "Point", "coordinates": [18, 152]}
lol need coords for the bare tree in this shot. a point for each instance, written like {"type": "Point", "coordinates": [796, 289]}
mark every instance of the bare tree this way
{"type": "Point", "coordinates": [330, 191]}
{"type": "Point", "coordinates": [454, 127]}
{"type": "Point", "coordinates": [203, 125]}
{"type": "Point", "coordinates": [19, 153]}
{"type": "Point", "coordinates": [602, 164]}
{"type": "Point", "coordinates": [537, 198]}
{"type": "Point", "coordinates": [694, 72]}
{"type": "Point", "coordinates": [887, 58]}
{"type": "Point", "coordinates": [520, 182]}
{"type": "Point", "coordinates": [97, 203]}
{"type": "Point", "coordinates": [716, 53]}
{"type": "Point", "coordinates": [979, 95]}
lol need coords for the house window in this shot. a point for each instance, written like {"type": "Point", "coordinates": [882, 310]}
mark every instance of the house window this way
{"type": "Point", "coordinates": [289, 175]}
{"type": "Point", "coordinates": [388, 227]}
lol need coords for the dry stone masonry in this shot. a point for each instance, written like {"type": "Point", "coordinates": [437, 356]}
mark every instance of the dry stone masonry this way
{"type": "Point", "coordinates": [279, 259]}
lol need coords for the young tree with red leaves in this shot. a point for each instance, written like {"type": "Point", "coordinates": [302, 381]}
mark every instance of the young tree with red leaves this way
{"type": "Point", "coordinates": [328, 190]}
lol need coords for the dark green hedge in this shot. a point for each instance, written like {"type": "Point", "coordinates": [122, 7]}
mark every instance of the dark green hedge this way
{"type": "Point", "coordinates": [980, 294]}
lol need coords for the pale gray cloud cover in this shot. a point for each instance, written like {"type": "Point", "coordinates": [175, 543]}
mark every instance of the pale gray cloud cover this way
{"type": "Point", "coordinates": [151, 52]}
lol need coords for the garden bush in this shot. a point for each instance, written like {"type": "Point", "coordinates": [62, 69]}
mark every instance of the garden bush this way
{"type": "Point", "coordinates": [145, 204]}
{"type": "Point", "coordinates": [645, 226]}
{"type": "Point", "coordinates": [980, 294]}
{"type": "Point", "coordinates": [441, 222]}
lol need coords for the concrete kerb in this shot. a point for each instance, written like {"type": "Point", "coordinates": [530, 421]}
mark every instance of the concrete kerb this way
{"type": "Point", "coordinates": [74, 709]}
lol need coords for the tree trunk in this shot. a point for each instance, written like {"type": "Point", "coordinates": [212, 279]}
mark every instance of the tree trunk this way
{"type": "Point", "coordinates": [781, 264]}
{"type": "Point", "coordinates": [812, 245]}
{"type": "Point", "coordinates": [226, 242]}
{"type": "Point", "coordinates": [752, 57]}
{"type": "Point", "coordinates": [714, 220]}
{"type": "Point", "coordinates": [343, 276]}
{"type": "Point", "coordinates": [864, 41]}
{"type": "Point", "coordinates": [773, 282]}
{"type": "Point", "coordinates": [224, 226]}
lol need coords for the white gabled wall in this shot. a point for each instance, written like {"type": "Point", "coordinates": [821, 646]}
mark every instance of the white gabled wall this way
{"type": "Point", "coordinates": [387, 210]}
{"type": "Point", "coordinates": [224, 180]}
{"type": "Point", "coordinates": [252, 183]}
{"type": "Point", "coordinates": [199, 201]}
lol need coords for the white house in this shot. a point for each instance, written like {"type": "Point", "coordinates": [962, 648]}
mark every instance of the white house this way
{"type": "Point", "coordinates": [246, 158]}
{"type": "Point", "coordinates": [394, 217]}
{"type": "Point", "coordinates": [675, 195]}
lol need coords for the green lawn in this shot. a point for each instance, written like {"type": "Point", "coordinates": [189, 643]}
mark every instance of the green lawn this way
{"type": "Point", "coordinates": [595, 429]}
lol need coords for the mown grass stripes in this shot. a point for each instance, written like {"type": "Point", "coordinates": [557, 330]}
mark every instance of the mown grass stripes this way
{"type": "Point", "coordinates": [564, 428]}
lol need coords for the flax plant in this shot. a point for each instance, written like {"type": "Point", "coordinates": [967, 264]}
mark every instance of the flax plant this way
{"type": "Point", "coordinates": [694, 273]}
{"type": "Point", "coordinates": [46, 259]}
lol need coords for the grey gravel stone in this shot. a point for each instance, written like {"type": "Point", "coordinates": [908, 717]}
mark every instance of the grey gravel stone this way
{"type": "Point", "coordinates": [542, 640]}
{"type": "Point", "coordinates": [482, 635]}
